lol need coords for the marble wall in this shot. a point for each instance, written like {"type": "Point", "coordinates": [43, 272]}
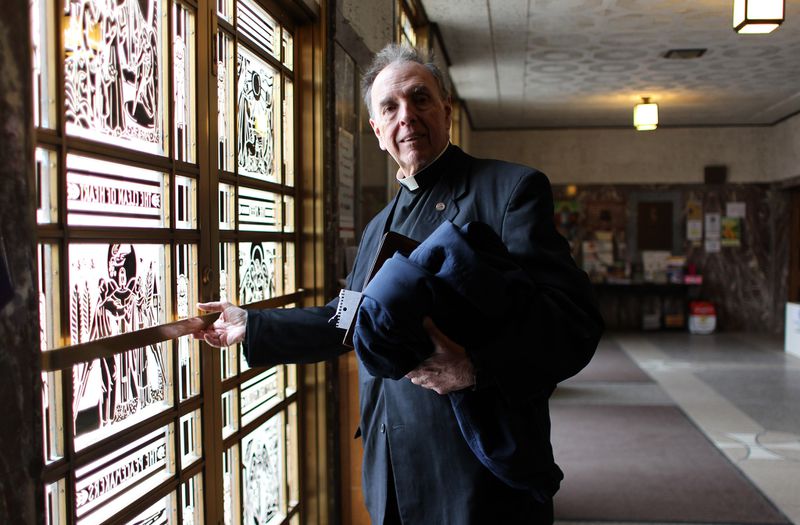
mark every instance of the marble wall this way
{"type": "Point", "coordinates": [746, 283]}
{"type": "Point", "coordinates": [20, 388]}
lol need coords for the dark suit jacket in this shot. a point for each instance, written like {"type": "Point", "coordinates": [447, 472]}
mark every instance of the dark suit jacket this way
{"type": "Point", "coordinates": [437, 477]}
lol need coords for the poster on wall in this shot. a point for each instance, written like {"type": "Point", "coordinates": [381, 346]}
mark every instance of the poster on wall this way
{"type": "Point", "coordinates": [731, 231]}
{"type": "Point", "coordinates": [712, 225]}
{"type": "Point", "coordinates": [735, 209]}
{"type": "Point", "coordinates": [694, 230]}
{"type": "Point", "coordinates": [712, 245]}
{"type": "Point", "coordinates": [694, 221]}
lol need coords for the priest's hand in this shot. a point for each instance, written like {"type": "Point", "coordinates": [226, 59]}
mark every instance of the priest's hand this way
{"type": "Point", "coordinates": [228, 329]}
{"type": "Point", "coordinates": [448, 369]}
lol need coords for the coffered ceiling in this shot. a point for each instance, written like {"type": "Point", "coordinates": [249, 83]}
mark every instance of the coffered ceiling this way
{"type": "Point", "coordinates": [579, 63]}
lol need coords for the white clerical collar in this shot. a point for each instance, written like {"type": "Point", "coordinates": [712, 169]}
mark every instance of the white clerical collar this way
{"type": "Point", "coordinates": [410, 182]}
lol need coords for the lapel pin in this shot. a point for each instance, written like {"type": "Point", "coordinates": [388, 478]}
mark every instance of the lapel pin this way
{"type": "Point", "coordinates": [440, 206]}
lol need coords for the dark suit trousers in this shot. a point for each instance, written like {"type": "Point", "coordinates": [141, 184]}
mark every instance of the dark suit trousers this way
{"type": "Point", "coordinates": [542, 516]}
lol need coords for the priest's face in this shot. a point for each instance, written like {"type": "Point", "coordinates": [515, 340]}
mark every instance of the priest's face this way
{"type": "Point", "coordinates": [410, 117]}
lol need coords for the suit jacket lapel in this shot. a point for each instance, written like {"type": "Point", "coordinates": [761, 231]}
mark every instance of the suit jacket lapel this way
{"type": "Point", "coordinates": [457, 178]}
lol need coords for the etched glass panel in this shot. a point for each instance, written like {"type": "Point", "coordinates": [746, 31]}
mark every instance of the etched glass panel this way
{"type": "Point", "coordinates": [259, 210]}
{"type": "Point", "coordinates": [258, 103]}
{"type": "Point", "coordinates": [257, 263]}
{"type": "Point", "coordinates": [113, 72]}
{"type": "Point", "coordinates": [186, 286]}
{"type": "Point", "coordinates": [188, 369]}
{"type": "Point", "coordinates": [225, 87]}
{"type": "Point", "coordinates": [116, 288]}
{"type": "Point", "coordinates": [227, 205]}
{"type": "Point", "coordinates": [49, 277]}
{"type": "Point", "coordinates": [259, 394]}
{"type": "Point", "coordinates": [259, 27]}
{"type": "Point", "coordinates": [227, 292]}
{"type": "Point", "coordinates": [188, 347]}
{"type": "Point", "coordinates": [101, 193]}
{"type": "Point", "coordinates": [227, 271]}
{"type": "Point", "coordinates": [183, 65]}
{"type": "Point", "coordinates": [190, 438]}
{"type": "Point", "coordinates": [192, 501]}
{"type": "Point", "coordinates": [288, 49]}
{"type": "Point", "coordinates": [42, 33]}
{"type": "Point", "coordinates": [292, 456]}
{"type": "Point", "coordinates": [225, 9]}
{"type": "Point", "coordinates": [55, 511]}
{"type": "Point", "coordinates": [186, 278]}
{"type": "Point", "coordinates": [132, 470]}
{"type": "Point", "coordinates": [288, 133]}
{"type": "Point", "coordinates": [288, 213]}
{"type": "Point", "coordinates": [161, 512]}
{"type": "Point", "coordinates": [262, 465]}
{"type": "Point", "coordinates": [289, 278]}
{"type": "Point", "coordinates": [46, 190]}
{"type": "Point", "coordinates": [52, 417]}
{"type": "Point", "coordinates": [185, 203]}
{"type": "Point", "coordinates": [230, 412]}
{"type": "Point", "coordinates": [291, 379]}
{"type": "Point", "coordinates": [230, 486]}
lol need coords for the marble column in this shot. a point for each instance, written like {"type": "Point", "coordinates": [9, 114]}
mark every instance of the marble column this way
{"type": "Point", "coordinates": [21, 498]}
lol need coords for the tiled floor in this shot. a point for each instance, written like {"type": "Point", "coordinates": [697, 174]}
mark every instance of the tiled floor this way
{"type": "Point", "coordinates": [741, 390]}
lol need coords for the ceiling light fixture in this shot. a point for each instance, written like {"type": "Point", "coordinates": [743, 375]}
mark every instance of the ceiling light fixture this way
{"type": "Point", "coordinates": [645, 115]}
{"type": "Point", "coordinates": [757, 16]}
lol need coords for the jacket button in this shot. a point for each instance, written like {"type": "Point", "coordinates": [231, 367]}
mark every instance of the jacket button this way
{"type": "Point", "coordinates": [383, 428]}
{"type": "Point", "coordinates": [440, 206]}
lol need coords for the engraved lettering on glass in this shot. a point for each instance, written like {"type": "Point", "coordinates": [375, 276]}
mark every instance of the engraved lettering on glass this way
{"type": "Point", "coordinates": [112, 72]}
{"type": "Point", "coordinates": [258, 101]}
{"type": "Point", "coordinates": [259, 394]}
{"type": "Point", "coordinates": [116, 288]}
{"type": "Point", "coordinates": [133, 469]}
{"type": "Point", "coordinates": [257, 271]}
{"type": "Point", "coordinates": [101, 193]}
{"type": "Point", "coordinates": [259, 210]}
{"type": "Point", "coordinates": [261, 472]}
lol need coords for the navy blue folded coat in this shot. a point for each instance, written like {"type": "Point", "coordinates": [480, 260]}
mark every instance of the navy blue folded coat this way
{"type": "Point", "coordinates": [467, 282]}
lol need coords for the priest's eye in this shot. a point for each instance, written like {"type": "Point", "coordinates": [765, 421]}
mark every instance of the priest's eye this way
{"type": "Point", "coordinates": [422, 99]}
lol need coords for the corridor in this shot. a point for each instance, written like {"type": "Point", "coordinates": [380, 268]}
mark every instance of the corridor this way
{"type": "Point", "coordinates": [670, 427]}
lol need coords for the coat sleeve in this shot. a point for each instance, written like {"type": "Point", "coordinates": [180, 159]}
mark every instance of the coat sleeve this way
{"type": "Point", "coordinates": [555, 331]}
{"type": "Point", "coordinates": [292, 335]}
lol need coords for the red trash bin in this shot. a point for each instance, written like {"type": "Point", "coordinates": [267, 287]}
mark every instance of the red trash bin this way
{"type": "Point", "coordinates": [702, 317]}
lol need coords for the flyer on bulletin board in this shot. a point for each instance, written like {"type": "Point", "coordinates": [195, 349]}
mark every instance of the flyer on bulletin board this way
{"type": "Point", "coordinates": [712, 225]}
{"type": "Point", "coordinates": [731, 231]}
